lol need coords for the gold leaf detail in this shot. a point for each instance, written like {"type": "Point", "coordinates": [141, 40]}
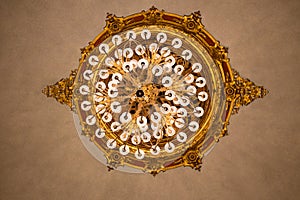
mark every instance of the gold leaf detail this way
{"type": "Point", "coordinates": [245, 92]}
{"type": "Point", "coordinates": [62, 90]}
{"type": "Point", "coordinates": [192, 159]}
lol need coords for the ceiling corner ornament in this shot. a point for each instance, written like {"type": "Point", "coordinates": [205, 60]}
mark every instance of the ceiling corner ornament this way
{"type": "Point", "coordinates": [153, 91]}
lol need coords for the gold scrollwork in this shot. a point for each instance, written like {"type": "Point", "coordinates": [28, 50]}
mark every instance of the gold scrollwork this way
{"type": "Point", "coordinates": [192, 23]}
{"type": "Point", "coordinates": [114, 159]}
{"type": "Point", "coordinates": [114, 24]}
{"type": "Point", "coordinates": [62, 90]}
{"type": "Point", "coordinates": [192, 159]}
{"type": "Point", "coordinates": [243, 91]}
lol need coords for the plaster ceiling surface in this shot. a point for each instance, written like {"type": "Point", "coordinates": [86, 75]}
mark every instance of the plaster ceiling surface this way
{"type": "Point", "coordinates": [43, 158]}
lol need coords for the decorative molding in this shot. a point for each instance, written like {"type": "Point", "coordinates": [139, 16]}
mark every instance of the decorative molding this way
{"type": "Point", "coordinates": [62, 90]}
{"type": "Point", "coordinates": [243, 91]}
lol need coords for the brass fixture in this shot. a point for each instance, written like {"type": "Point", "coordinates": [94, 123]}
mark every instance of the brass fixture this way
{"type": "Point", "coordinates": [153, 91]}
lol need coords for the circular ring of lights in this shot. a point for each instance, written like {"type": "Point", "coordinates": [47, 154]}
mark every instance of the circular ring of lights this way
{"type": "Point", "coordinates": [153, 91]}
{"type": "Point", "coordinates": [152, 80]}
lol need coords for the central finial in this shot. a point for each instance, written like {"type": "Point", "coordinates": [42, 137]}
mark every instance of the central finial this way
{"type": "Point", "coordinates": [140, 93]}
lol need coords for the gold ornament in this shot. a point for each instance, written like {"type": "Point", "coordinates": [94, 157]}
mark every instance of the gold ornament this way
{"type": "Point", "coordinates": [238, 92]}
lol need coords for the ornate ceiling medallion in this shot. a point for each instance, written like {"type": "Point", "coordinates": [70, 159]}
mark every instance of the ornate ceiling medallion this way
{"type": "Point", "coordinates": [153, 91]}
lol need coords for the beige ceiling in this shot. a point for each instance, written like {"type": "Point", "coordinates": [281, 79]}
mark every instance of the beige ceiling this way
{"type": "Point", "coordinates": [42, 156]}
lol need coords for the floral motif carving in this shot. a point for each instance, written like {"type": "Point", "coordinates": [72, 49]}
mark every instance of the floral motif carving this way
{"type": "Point", "coordinates": [114, 24]}
{"type": "Point", "coordinates": [114, 159]}
{"type": "Point", "coordinates": [193, 22]}
{"type": "Point", "coordinates": [153, 15]}
{"type": "Point", "coordinates": [62, 90]}
{"type": "Point", "coordinates": [243, 91]}
{"type": "Point", "coordinates": [192, 159]}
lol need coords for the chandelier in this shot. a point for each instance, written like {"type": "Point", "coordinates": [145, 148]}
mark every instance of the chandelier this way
{"type": "Point", "coordinates": [153, 91]}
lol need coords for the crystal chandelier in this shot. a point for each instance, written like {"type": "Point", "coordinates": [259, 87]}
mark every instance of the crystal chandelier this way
{"type": "Point", "coordinates": [153, 91]}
